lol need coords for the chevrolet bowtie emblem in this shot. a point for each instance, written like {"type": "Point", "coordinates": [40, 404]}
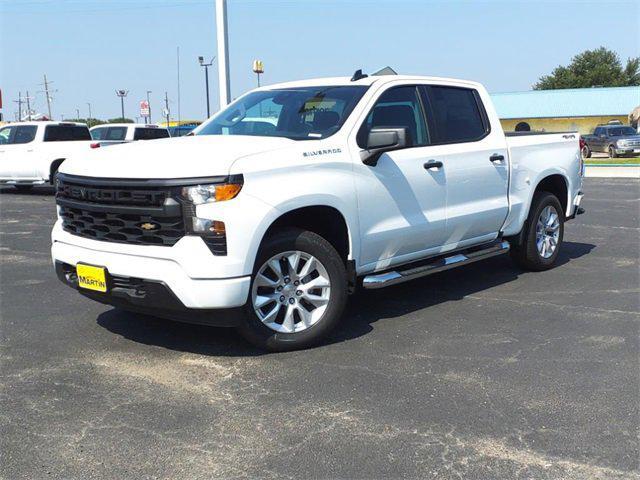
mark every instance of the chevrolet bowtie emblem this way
{"type": "Point", "coordinates": [148, 226]}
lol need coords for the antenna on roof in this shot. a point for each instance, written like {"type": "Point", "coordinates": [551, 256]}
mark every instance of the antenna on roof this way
{"type": "Point", "coordinates": [358, 75]}
{"type": "Point", "coordinates": [384, 71]}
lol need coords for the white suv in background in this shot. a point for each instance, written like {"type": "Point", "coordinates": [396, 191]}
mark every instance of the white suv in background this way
{"type": "Point", "coordinates": [112, 133]}
{"type": "Point", "coordinates": [32, 152]}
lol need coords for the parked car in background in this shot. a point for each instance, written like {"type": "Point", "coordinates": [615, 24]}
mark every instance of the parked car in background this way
{"type": "Point", "coordinates": [285, 201]}
{"type": "Point", "coordinates": [32, 152]}
{"type": "Point", "coordinates": [182, 130]}
{"type": "Point", "coordinates": [112, 133]}
{"type": "Point", "coordinates": [614, 140]}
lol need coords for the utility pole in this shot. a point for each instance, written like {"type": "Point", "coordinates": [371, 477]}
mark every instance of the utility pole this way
{"type": "Point", "coordinates": [19, 102]}
{"type": "Point", "coordinates": [122, 94]}
{"type": "Point", "coordinates": [46, 92]}
{"type": "Point", "coordinates": [166, 107]}
{"type": "Point", "coordinates": [77, 113]}
{"type": "Point", "coordinates": [28, 106]}
{"type": "Point", "coordinates": [149, 105]}
{"type": "Point", "coordinates": [178, 59]}
{"type": "Point", "coordinates": [206, 79]}
{"type": "Point", "coordinates": [89, 104]}
{"type": "Point", "coordinates": [223, 53]}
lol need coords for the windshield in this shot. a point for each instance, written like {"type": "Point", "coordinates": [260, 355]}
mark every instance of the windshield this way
{"type": "Point", "coordinates": [17, 134]}
{"type": "Point", "coordinates": [621, 132]}
{"type": "Point", "coordinates": [304, 113]}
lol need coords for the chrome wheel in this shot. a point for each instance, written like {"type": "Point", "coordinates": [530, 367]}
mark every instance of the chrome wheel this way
{"type": "Point", "coordinates": [291, 292]}
{"type": "Point", "coordinates": [548, 231]}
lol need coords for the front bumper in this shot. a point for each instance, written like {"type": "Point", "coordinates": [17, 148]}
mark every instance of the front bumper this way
{"type": "Point", "coordinates": [627, 150]}
{"type": "Point", "coordinates": [149, 297]}
{"type": "Point", "coordinates": [194, 292]}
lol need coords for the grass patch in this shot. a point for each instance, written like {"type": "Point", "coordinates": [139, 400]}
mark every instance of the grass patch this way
{"type": "Point", "coordinates": [608, 161]}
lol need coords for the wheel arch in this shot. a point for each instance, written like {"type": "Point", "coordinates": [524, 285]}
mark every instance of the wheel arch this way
{"type": "Point", "coordinates": [53, 168]}
{"type": "Point", "coordinates": [324, 220]}
{"type": "Point", "coordinates": [556, 184]}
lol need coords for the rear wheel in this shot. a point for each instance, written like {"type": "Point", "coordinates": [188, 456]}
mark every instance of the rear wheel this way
{"type": "Point", "coordinates": [586, 152]}
{"type": "Point", "coordinates": [544, 231]}
{"type": "Point", "coordinates": [298, 292]}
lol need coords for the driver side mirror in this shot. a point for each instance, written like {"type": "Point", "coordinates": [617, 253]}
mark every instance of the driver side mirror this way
{"type": "Point", "coordinates": [381, 140]}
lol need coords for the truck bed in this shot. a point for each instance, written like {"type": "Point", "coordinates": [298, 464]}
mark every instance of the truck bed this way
{"type": "Point", "coordinates": [536, 155]}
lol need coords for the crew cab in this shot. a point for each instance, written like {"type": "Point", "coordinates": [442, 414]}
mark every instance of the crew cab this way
{"type": "Point", "coordinates": [114, 133]}
{"type": "Point", "coordinates": [31, 152]}
{"type": "Point", "coordinates": [614, 140]}
{"type": "Point", "coordinates": [296, 194]}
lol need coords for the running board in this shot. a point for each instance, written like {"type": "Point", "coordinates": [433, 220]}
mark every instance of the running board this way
{"type": "Point", "coordinates": [439, 264]}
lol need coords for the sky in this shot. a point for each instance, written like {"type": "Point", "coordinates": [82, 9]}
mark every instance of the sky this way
{"type": "Point", "coordinates": [90, 48]}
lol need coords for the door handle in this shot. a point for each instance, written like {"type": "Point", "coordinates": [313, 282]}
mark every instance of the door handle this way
{"type": "Point", "coordinates": [432, 164]}
{"type": "Point", "coordinates": [495, 158]}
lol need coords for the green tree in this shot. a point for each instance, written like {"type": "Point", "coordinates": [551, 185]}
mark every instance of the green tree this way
{"type": "Point", "coordinates": [592, 68]}
{"type": "Point", "coordinates": [120, 120]}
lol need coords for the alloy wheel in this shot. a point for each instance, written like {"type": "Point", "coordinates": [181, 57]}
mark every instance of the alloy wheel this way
{"type": "Point", "coordinates": [291, 292]}
{"type": "Point", "coordinates": [548, 231]}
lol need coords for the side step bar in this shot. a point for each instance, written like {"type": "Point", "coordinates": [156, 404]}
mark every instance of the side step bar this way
{"type": "Point", "coordinates": [439, 264]}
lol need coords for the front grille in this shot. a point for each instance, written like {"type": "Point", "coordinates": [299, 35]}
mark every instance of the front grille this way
{"type": "Point", "coordinates": [135, 212]}
{"type": "Point", "coordinates": [121, 227]}
{"type": "Point", "coordinates": [138, 214]}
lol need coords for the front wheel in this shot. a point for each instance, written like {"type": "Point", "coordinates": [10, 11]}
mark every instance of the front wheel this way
{"type": "Point", "coordinates": [612, 152]}
{"type": "Point", "coordinates": [298, 292]}
{"type": "Point", "coordinates": [544, 231]}
{"type": "Point", "coordinates": [586, 152]}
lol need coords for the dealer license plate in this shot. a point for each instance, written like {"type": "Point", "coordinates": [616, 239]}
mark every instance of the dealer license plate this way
{"type": "Point", "coordinates": [92, 278]}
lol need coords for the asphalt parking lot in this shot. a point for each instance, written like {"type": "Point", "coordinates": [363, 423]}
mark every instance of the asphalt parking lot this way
{"type": "Point", "coordinates": [485, 372]}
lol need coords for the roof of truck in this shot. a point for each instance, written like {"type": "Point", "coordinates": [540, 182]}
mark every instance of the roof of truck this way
{"type": "Point", "coordinates": [140, 125]}
{"type": "Point", "coordinates": [336, 81]}
{"type": "Point", "coordinates": [47, 122]}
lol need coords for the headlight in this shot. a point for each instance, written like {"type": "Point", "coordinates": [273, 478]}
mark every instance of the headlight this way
{"type": "Point", "coordinates": [215, 192]}
{"type": "Point", "coordinates": [621, 143]}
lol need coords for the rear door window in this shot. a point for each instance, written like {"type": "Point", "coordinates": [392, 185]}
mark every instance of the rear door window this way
{"type": "Point", "coordinates": [456, 113]}
{"type": "Point", "coordinates": [116, 134]}
{"type": "Point", "coordinates": [17, 134]}
{"type": "Point", "coordinates": [150, 133]}
{"type": "Point", "coordinates": [66, 133]}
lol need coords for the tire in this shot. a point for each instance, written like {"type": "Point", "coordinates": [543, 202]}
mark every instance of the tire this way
{"type": "Point", "coordinates": [528, 254]}
{"type": "Point", "coordinates": [297, 323]}
{"type": "Point", "coordinates": [586, 152]}
{"type": "Point", "coordinates": [612, 152]}
{"type": "Point", "coordinates": [24, 188]}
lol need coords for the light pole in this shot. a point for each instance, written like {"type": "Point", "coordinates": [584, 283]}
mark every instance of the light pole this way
{"type": "Point", "coordinates": [206, 78]}
{"type": "Point", "coordinates": [77, 113]}
{"type": "Point", "coordinates": [224, 83]}
{"type": "Point", "coordinates": [89, 119]}
{"type": "Point", "coordinates": [122, 94]}
{"type": "Point", "coordinates": [149, 105]}
{"type": "Point", "coordinates": [258, 68]}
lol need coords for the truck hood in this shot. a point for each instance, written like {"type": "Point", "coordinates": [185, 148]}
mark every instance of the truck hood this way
{"type": "Point", "coordinates": [184, 157]}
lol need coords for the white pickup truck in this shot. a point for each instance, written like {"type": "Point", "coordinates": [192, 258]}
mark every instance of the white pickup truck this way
{"type": "Point", "coordinates": [114, 133]}
{"type": "Point", "coordinates": [296, 194]}
{"type": "Point", "coordinates": [31, 152]}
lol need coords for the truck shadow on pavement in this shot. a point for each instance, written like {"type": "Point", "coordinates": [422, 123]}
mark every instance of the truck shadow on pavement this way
{"type": "Point", "coordinates": [363, 310]}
